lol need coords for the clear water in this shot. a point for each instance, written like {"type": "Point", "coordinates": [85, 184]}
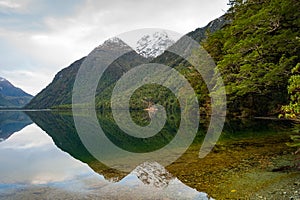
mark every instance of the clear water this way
{"type": "Point", "coordinates": [42, 157]}
{"type": "Point", "coordinates": [47, 160]}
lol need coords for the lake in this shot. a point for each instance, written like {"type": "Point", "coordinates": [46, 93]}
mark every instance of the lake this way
{"type": "Point", "coordinates": [43, 157]}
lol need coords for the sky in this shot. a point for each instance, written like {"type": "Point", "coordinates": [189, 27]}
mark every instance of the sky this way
{"type": "Point", "coordinates": [38, 38]}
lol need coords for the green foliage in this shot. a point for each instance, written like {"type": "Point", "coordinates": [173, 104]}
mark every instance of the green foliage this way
{"type": "Point", "coordinates": [58, 94]}
{"type": "Point", "coordinates": [256, 52]}
{"type": "Point", "coordinates": [292, 111]}
{"type": "Point", "coordinates": [296, 141]}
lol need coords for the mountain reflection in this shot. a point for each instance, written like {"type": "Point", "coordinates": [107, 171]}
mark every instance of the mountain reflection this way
{"type": "Point", "coordinates": [11, 122]}
{"type": "Point", "coordinates": [148, 179]}
{"type": "Point", "coordinates": [60, 127]}
{"type": "Point", "coordinates": [30, 157]}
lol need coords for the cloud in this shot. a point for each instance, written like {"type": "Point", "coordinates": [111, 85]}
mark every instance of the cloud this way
{"type": "Point", "coordinates": [9, 4]}
{"type": "Point", "coordinates": [30, 81]}
{"type": "Point", "coordinates": [44, 36]}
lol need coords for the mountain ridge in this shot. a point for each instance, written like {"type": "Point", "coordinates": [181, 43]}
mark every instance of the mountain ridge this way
{"type": "Point", "coordinates": [59, 91]}
{"type": "Point", "coordinates": [11, 96]}
{"type": "Point", "coordinates": [58, 94]}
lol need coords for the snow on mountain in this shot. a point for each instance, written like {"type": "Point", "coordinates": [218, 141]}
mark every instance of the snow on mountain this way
{"type": "Point", "coordinates": [2, 79]}
{"type": "Point", "coordinates": [114, 43]}
{"type": "Point", "coordinates": [152, 173]}
{"type": "Point", "coordinates": [151, 46]}
{"type": "Point", "coordinates": [152, 180]}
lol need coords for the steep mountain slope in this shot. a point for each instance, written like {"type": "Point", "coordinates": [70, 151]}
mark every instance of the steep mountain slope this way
{"type": "Point", "coordinates": [59, 91]}
{"type": "Point", "coordinates": [170, 59]}
{"type": "Point", "coordinates": [198, 35]}
{"type": "Point", "coordinates": [11, 96]}
{"type": "Point", "coordinates": [4, 102]}
{"type": "Point", "coordinates": [213, 26]}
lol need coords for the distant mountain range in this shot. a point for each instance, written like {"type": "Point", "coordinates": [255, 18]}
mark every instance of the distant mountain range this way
{"type": "Point", "coordinates": [11, 96]}
{"type": "Point", "coordinates": [150, 48]}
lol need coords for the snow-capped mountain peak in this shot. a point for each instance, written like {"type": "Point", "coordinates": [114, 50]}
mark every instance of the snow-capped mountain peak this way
{"type": "Point", "coordinates": [114, 42]}
{"type": "Point", "coordinates": [2, 79]}
{"type": "Point", "coordinates": [151, 46]}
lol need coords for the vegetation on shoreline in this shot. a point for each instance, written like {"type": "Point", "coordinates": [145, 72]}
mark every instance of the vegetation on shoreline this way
{"type": "Point", "coordinates": [255, 46]}
{"type": "Point", "coordinates": [255, 54]}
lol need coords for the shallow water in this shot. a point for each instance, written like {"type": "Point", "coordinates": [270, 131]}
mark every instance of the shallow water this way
{"type": "Point", "coordinates": [45, 158]}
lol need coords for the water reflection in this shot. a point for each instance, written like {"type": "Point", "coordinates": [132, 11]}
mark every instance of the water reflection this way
{"type": "Point", "coordinates": [31, 157]}
{"type": "Point", "coordinates": [50, 165]}
{"type": "Point", "coordinates": [42, 162]}
{"type": "Point", "coordinates": [11, 122]}
{"type": "Point", "coordinates": [61, 128]}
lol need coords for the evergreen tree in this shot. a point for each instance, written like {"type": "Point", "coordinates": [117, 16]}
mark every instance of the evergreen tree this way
{"type": "Point", "coordinates": [293, 109]}
{"type": "Point", "coordinates": [256, 52]}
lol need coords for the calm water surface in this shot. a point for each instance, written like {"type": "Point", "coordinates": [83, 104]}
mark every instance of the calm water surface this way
{"type": "Point", "coordinates": [45, 158]}
{"type": "Point", "coordinates": [42, 156]}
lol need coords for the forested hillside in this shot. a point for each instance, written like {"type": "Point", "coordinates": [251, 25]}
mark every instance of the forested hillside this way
{"type": "Point", "coordinates": [255, 46]}
{"type": "Point", "coordinates": [58, 94]}
{"type": "Point", "coordinates": [255, 54]}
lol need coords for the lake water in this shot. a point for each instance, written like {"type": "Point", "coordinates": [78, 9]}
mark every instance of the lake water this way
{"type": "Point", "coordinates": [42, 157]}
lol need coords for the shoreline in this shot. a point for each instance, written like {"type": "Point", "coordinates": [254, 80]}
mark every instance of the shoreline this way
{"type": "Point", "coordinates": [242, 169]}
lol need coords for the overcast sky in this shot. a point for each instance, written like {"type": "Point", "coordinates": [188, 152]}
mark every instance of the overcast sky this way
{"type": "Point", "coordinates": [38, 38]}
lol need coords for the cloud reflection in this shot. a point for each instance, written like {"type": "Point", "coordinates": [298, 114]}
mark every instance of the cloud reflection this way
{"type": "Point", "coordinates": [31, 157]}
